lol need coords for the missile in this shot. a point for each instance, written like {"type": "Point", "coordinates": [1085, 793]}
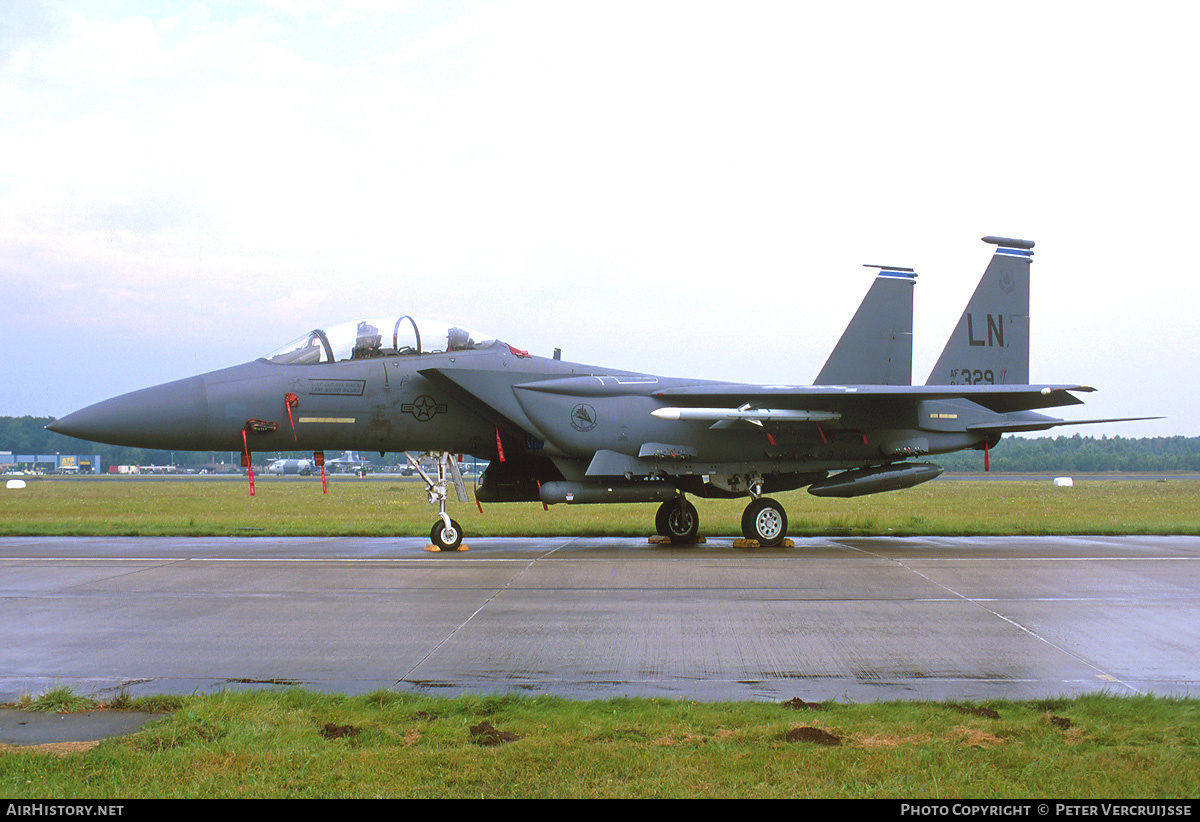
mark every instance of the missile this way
{"type": "Point", "coordinates": [747, 414]}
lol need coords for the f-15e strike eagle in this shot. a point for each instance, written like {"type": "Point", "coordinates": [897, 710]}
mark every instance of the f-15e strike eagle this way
{"type": "Point", "coordinates": [561, 432]}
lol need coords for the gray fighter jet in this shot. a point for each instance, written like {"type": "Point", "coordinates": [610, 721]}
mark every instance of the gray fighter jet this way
{"type": "Point", "coordinates": [291, 466]}
{"type": "Point", "coordinates": [561, 432]}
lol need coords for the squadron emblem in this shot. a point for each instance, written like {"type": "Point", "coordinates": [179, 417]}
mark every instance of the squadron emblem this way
{"type": "Point", "coordinates": [583, 417]}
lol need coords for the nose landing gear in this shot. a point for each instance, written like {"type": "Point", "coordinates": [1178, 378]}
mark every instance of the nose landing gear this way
{"type": "Point", "coordinates": [446, 534]}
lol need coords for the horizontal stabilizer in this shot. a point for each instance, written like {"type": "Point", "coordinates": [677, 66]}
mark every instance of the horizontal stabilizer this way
{"type": "Point", "coordinates": [1046, 424]}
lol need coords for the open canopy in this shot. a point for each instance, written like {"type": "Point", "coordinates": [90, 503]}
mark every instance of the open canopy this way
{"type": "Point", "coordinates": [378, 337]}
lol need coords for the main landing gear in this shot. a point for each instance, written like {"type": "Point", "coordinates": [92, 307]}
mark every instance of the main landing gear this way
{"type": "Point", "coordinates": [677, 520]}
{"type": "Point", "coordinates": [446, 534]}
{"type": "Point", "coordinates": [763, 521]}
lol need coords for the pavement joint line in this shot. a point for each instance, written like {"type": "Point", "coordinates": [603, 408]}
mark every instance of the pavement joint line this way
{"type": "Point", "coordinates": [442, 642]}
{"type": "Point", "coordinates": [1100, 672]}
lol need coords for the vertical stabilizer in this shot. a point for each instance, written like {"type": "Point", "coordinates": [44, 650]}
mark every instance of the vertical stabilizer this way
{"type": "Point", "coordinates": [876, 347]}
{"type": "Point", "coordinates": [990, 344]}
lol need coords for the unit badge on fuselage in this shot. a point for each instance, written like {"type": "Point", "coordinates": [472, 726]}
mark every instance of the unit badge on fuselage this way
{"type": "Point", "coordinates": [583, 417]}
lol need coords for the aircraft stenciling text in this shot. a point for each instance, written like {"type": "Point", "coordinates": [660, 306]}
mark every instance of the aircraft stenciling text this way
{"type": "Point", "coordinates": [995, 330]}
{"type": "Point", "coordinates": [337, 388]}
{"type": "Point", "coordinates": [969, 376]}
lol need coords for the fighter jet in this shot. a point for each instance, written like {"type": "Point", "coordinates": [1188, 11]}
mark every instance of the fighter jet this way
{"type": "Point", "coordinates": [561, 432]}
{"type": "Point", "coordinates": [348, 463]}
{"type": "Point", "coordinates": [291, 466]}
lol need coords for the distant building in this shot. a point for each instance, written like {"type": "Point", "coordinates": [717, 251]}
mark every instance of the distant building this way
{"type": "Point", "coordinates": [50, 463]}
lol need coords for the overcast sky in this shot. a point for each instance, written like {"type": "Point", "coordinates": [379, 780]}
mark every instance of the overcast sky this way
{"type": "Point", "coordinates": [683, 188]}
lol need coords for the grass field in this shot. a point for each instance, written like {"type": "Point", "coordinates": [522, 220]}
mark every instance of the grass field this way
{"type": "Point", "coordinates": [179, 507]}
{"type": "Point", "coordinates": [296, 743]}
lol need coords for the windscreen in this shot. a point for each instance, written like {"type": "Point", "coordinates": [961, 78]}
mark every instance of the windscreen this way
{"type": "Point", "coordinates": [379, 337]}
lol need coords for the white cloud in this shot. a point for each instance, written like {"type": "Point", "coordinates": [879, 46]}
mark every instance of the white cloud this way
{"type": "Point", "coordinates": [675, 187]}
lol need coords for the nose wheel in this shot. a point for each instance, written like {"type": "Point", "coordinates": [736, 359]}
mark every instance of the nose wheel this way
{"type": "Point", "coordinates": [446, 534]}
{"type": "Point", "coordinates": [764, 521]}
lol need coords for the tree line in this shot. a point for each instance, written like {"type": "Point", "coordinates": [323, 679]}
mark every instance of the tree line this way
{"type": "Point", "coordinates": [28, 436]}
{"type": "Point", "coordinates": [1074, 454]}
{"type": "Point", "coordinates": [1080, 455]}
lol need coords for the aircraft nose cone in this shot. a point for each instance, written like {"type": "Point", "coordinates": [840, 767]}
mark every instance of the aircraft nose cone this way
{"type": "Point", "coordinates": [173, 415]}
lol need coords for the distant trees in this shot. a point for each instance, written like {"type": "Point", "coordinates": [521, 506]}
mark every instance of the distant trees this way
{"type": "Point", "coordinates": [1079, 454]}
{"type": "Point", "coordinates": [1075, 454]}
{"type": "Point", "coordinates": [28, 435]}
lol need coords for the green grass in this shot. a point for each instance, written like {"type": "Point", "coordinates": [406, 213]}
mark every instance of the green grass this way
{"type": "Point", "coordinates": [271, 744]}
{"type": "Point", "coordinates": [116, 507]}
{"type": "Point", "coordinates": [59, 699]}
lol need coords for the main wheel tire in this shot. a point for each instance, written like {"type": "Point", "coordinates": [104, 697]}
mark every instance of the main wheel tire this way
{"type": "Point", "coordinates": [764, 521]}
{"type": "Point", "coordinates": [447, 539]}
{"type": "Point", "coordinates": [677, 519]}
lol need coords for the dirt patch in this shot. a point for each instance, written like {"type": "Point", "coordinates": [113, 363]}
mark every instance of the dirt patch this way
{"type": "Point", "coordinates": [485, 734]}
{"type": "Point", "coordinates": [976, 710]}
{"type": "Point", "coordinates": [1060, 722]}
{"type": "Point", "coordinates": [686, 739]}
{"type": "Point", "coordinates": [888, 741]}
{"type": "Point", "coordinates": [818, 736]}
{"type": "Point", "coordinates": [54, 748]}
{"type": "Point", "coordinates": [332, 731]}
{"type": "Point", "coordinates": [798, 704]}
{"type": "Point", "coordinates": [976, 738]}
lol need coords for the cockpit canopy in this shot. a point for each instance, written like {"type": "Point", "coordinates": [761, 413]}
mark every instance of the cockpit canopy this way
{"type": "Point", "coordinates": [379, 337]}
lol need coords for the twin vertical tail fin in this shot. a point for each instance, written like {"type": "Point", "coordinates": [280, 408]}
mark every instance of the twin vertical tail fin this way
{"type": "Point", "coordinates": [990, 344]}
{"type": "Point", "coordinates": [876, 347]}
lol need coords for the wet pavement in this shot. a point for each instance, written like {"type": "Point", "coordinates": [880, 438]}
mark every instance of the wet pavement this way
{"type": "Point", "coordinates": [832, 618]}
{"type": "Point", "coordinates": [19, 727]}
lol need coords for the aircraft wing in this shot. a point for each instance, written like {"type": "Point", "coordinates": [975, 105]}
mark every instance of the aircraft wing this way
{"type": "Point", "coordinates": [944, 407]}
{"type": "Point", "coordinates": [998, 398]}
{"type": "Point", "coordinates": [993, 408]}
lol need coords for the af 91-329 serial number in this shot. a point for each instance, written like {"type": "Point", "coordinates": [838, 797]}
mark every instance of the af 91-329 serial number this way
{"type": "Point", "coordinates": [968, 376]}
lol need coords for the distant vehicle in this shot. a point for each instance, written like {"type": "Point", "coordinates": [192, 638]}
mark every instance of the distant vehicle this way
{"type": "Point", "coordinates": [303, 467]}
